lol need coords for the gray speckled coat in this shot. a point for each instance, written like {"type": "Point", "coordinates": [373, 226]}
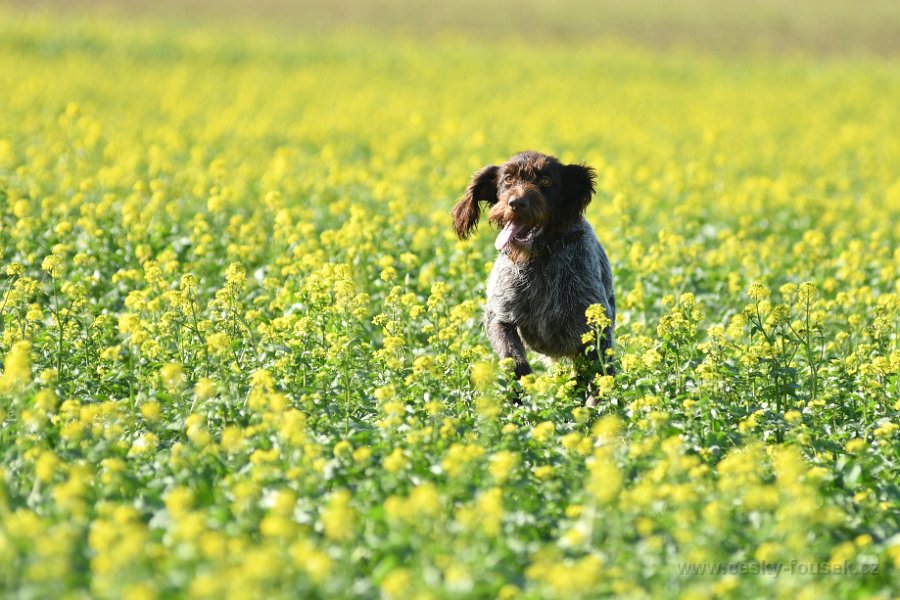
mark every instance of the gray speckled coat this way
{"type": "Point", "coordinates": [542, 300]}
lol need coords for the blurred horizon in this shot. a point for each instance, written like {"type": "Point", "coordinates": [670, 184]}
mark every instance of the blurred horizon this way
{"type": "Point", "coordinates": [809, 27]}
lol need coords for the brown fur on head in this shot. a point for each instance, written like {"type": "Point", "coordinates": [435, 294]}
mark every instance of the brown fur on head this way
{"type": "Point", "coordinates": [534, 191]}
{"type": "Point", "coordinates": [482, 188]}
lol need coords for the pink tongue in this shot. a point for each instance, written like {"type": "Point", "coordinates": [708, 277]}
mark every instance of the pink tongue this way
{"type": "Point", "coordinates": [505, 235]}
{"type": "Point", "coordinates": [510, 232]}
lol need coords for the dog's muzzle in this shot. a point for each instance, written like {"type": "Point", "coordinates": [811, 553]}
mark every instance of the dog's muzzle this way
{"type": "Point", "coordinates": [521, 234]}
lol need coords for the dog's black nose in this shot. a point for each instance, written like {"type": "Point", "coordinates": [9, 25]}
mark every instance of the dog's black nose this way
{"type": "Point", "coordinates": [517, 203]}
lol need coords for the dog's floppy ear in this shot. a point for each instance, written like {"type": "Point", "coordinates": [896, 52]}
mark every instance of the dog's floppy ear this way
{"type": "Point", "coordinates": [482, 188]}
{"type": "Point", "coordinates": [578, 183]}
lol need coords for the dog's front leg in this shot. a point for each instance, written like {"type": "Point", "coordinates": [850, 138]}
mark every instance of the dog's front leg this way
{"type": "Point", "coordinates": [506, 342]}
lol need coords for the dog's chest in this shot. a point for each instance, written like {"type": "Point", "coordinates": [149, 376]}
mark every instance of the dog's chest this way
{"type": "Point", "coordinates": [546, 297]}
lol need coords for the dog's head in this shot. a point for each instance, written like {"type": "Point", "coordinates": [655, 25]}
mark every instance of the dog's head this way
{"type": "Point", "coordinates": [529, 195]}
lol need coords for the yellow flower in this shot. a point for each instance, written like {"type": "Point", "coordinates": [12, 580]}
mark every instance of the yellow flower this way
{"type": "Point", "coordinates": [502, 463]}
{"type": "Point", "coordinates": [218, 344]}
{"type": "Point", "coordinates": [150, 410]}
{"type": "Point", "coordinates": [487, 407]}
{"type": "Point", "coordinates": [144, 444]}
{"type": "Point", "coordinates": [855, 446]}
{"type": "Point", "coordinates": [458, 456]}
{"type": "Point", "coordinates": [317, 564]}
{"type": "Point", "coordinates": [886, 429]}
{"type": "Point", "coordinates": [206, 585]}
{"type": "Point", "coordinates": [484, 514]}
{"type": "Point", "coordinates": [205, 388]}
{"type": "Point", "coordinates": [574, 537]}
{"type": "Point", "coordinates": [139, 591]}
{"type": "Point", "coordinates": [52, 265]}
{"type": "Point", "coordinates": [607, 429]}
{"type": "Point", "coordinates": [542, 432]}
{"type": "Point", "coordinates": [605, 480]}
{"type": "Point", "coordinates": [807, 291]}
{"type": "Point", "coordinates": [395, 461]}
{"type": "Point", "coordinates": [457, 578]}
{"type": "Point", "coordinates": [396, 584]}
{"type": "Point", "coordinates": [893, 553]}
{"type": "Point", "coordinates": [543, 471]}
{"type": "Point", "coordinates": [16, 366]}
{"type": "Point", "coordinates": [46, 401]}
{"type": "Point", "coordinates": [388, 274]}
{"type": "Point", "coordinates": [46, 466]}
{"type": "Point", "coordinates": [483, 375]}
{"type": "Point", "coordinates": [424, 500]}
{"type": "Point", "coordinates": [570, 441]}
{"type": "Point", "coordinates": [651, 358]}
{"type": "Point", "coordinates": [793, 416]}
{"type": "Point", "coordinates": [342, 448]}
{"type": "Point", "coordinates": [179, 501]}
{"type": "Point", "coordinates": [172, 375]}
{"type": "Point", "coordinates": [338, 518]}
{"type": "Point", "coordinates": [603, 385]}
{"type": "Point", "coordinates": [130, 325]}
{"type": "Point", "coordinates": [596, 316]}
{"type": "Point", "coordinates": [766, 553]}
{"type": "Point", "coordinates": [231, 438]}
{"type": "Point", "coordinates": [235, 275]}
{"type": "Point", "coordinates": [362, 454]}
{"type": "Point", "coordinates": [581, 414]}
{"type": "Point", "coordinates": [758, 291]}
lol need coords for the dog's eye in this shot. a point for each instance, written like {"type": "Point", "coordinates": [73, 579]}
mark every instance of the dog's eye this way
{"type": "Point", "coordinates": [508, 180]}
{"type": "Point", "coordinates": [546, 181]}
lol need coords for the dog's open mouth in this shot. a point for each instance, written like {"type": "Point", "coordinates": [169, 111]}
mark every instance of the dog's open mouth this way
{"type": "Point", "coordinates": [522, 235]}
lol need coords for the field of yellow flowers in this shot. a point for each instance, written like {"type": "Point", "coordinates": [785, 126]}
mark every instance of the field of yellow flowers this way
{"type": "Point", "coordinates": [242, 352]}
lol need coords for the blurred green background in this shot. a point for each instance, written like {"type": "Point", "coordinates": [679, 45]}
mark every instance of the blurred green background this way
{"type": "Point", "coordinates": [819, 27]}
